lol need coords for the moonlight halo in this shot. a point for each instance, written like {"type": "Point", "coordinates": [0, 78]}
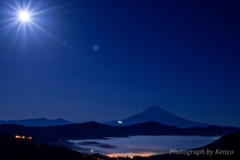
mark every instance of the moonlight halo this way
{"type": "Point", "coordinates": [26, 17]}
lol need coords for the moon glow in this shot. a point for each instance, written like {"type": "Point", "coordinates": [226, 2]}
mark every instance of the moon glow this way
{"type": "Point", "coordinates": [24, 16]}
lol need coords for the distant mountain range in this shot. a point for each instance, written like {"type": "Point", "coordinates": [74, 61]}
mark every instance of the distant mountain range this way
{"type": "Point", "coordinates": [158, 114]}
{"type": "Point", "coordinates": [153, 113]}
{"type": "Point", "coordinates": [37, 122]}
{"type": "Point", "coordinates": [93, 130]}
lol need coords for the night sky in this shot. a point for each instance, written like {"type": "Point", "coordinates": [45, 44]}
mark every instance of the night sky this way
{"type": "Point", "coordinates": [109, 59]}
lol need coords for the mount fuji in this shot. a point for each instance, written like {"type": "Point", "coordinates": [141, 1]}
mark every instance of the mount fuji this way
{"type": "Point", "coordinates": [158, 114]}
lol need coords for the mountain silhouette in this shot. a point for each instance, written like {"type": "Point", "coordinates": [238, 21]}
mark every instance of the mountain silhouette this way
{"type": "Point", "coordinates": [21, 149]}
{"type": "Point", "coordinates": [37, 122]}
{"type": "Point", "coordinates": [158, 114]}
{"type": "Point", "coordinates": [94, 130]}
{"type": "Point", "coordinates": [226, 147]}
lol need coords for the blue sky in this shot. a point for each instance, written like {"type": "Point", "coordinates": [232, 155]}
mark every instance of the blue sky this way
{"type": "Point", "coordinates": [106, 60]}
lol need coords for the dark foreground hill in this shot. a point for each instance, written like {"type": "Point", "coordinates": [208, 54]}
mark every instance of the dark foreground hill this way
{"type": "Point", "coordinates": [227, 147]}
{"type": "Point", "coordinates": [158, 114]}
{"type": "Point", "coordinates": [18, 149]}
{"type": "Point", "coordinates": [37, 122]}
{"type": "Point", "coordinates": [90, 130]}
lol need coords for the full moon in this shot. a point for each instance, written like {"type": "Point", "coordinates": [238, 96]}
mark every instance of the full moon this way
{"type": "Point", "coordinates": [24, 16]}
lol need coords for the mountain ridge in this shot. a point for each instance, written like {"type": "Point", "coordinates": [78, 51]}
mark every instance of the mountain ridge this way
{"type": "Point", "coordinates": [94, 130]}
{"type": "Point", "coordinates": [37, 122]}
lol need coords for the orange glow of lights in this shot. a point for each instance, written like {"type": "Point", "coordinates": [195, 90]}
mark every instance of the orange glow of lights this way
{"type": "Point", "coordinates": [17, 136]}
{"type": "Point", "coordinates": [130, 155]}
{"type": "Point", "coordinates": [22, 137]}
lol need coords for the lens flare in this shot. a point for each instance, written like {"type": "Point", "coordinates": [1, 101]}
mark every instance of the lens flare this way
{"type": "Point", "coordinates": [27, 20]}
